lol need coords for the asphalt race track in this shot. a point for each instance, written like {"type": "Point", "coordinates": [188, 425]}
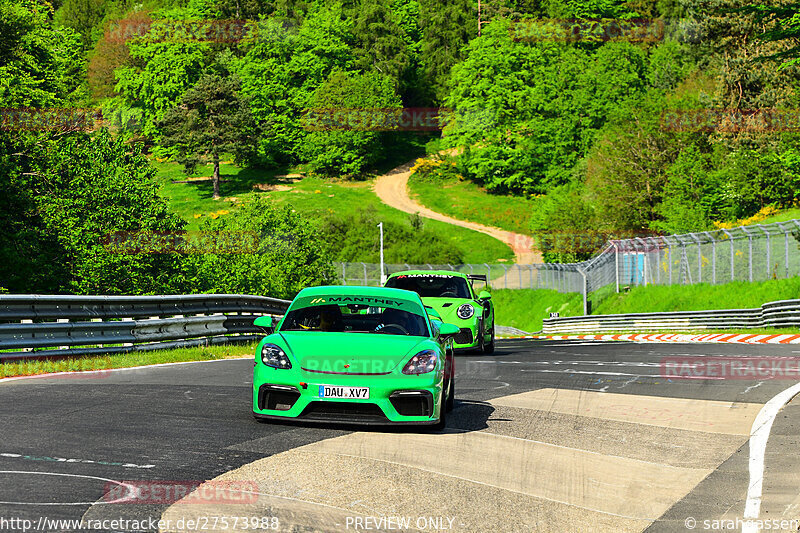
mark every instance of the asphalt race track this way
{"type": "Point", "coordinates": [546, 436]}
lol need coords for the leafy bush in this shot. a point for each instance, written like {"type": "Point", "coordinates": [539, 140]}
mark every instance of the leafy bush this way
{"type": "Point", "coordinates": [338, 149]}
{"type": "Point", "coordinates": [355, 237]}
{"type": "Point", "coordinates": [71, 195]}
{"type": "Point", "coordinates": [289, 254]}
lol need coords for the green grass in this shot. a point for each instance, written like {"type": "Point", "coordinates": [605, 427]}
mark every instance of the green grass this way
{"type": "Point", "coordinates": [196, 198]}
{"type": "Point", "coordinates": [525, 308]}
{"type": "Point", "coordinates": [700, 297]}
{"type": "Point", "coordinates": [33, 367]}
{"type": "Point", "coordinates": [310, 196]}
{"type": "Point", "coordinates": [465, 200]}
{"type": "Point", "coordinates": [783, 216]}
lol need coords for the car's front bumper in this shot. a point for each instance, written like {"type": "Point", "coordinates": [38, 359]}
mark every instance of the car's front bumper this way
{"type": "Point", "coordinates": [467, 337]}
{"type": "Point", "coordinates": [393, 399]}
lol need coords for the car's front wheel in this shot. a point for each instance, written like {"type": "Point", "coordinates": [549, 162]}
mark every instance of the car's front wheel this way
{"type": "Point", "coordinates": [440, 425]}
{"type": "Point", "coordinates": [451, 394]}
{"type": "Point", "coordinates": [487, 347]}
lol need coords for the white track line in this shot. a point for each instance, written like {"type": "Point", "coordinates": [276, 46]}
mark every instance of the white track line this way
{"type": "Point", "coordinates": [759, 434]}
{"type": "Point", "coordinates": [80, 373]}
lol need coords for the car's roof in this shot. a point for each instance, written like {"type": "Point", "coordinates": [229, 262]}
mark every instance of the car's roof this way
{"type": "Point", "coordinates": [358, 290]}
{"type": "Point", "coordinates": [435, 272]}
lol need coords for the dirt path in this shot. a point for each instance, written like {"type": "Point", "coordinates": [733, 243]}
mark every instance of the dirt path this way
{"type": "Point", "coordinates": [392, 189]}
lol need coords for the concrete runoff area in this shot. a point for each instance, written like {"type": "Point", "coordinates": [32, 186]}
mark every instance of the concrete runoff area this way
{"type": "Point", "coordinates": [508, 477]}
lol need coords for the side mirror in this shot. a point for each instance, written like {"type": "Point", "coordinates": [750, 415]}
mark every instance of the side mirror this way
{"type": "Point", "coordinates": [485, 295]}
{"type": "Point", "coordinates": [448, 330]}
{"type": "Point", "coordinates": [264, 322]}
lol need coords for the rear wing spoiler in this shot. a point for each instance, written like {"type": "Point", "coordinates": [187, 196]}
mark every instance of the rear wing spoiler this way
{"type": "Point", "coordinates": [477, 277]}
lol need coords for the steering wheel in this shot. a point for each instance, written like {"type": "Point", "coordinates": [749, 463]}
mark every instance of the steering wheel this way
{"type": "Point", "coordinates": [452, 294]}
{"type": "Point", "coordinates": [403, 331]}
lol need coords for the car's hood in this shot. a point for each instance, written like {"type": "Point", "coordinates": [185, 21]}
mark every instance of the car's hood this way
{"type": "Point", "coordinates": [447, 307]}
{"type": "Point", "coordinates": [357, 353]}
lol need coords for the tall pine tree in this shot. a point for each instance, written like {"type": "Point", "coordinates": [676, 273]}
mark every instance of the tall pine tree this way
{"type": "Point", "coordinates": [447, 26]}
{"type": "Point", "coordinates": [380, 44]}
{"type": "Point", "coordinates": [210, 120]}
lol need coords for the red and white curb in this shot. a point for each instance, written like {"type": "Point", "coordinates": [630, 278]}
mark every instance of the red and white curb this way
{"type": "Point", "coordinates": [738, 338]}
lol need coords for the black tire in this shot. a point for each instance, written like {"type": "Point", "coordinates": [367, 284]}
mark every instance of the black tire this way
{"type": "Point", "coordinates": [440, 425]}
{"type": "Point", "coordinates": [451, 393]}
{"type": "Point", "coordinates": [481, 348]}
{"type": "Point", "coordinates": [489, 348]}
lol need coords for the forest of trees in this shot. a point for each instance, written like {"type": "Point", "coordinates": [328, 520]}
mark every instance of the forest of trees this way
{"type": "Point", "coordinates": [576, 123]}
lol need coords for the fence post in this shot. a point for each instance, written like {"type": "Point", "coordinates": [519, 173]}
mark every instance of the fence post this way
{"type": "Point", "coordinates": [769, 249]}
{"type": "Point", "coordinates": [797, 223]}
{"type": "Point", "coordinates": [669, 261]}
{"type": "Point", "coordinates": [713, 257]}
{"type": "Point", "coordinates": [584, 290]}
{"type": "Point", "coordinates": [505, 276]}
{"type": "Point", "coordinates": [785, 247]}
{"type": "Point", "coordinates": [658, 262]}
{"type": "Point", "coordinates": [616, 263]}
{"type": "Point", "coordinates": [365, 273]}
{"type": "Point", "coordinates": [730, 236]}
{"type": "Point", "coordinates": [699, 258]}
{"type": "Point", "coordinates": [749, 252]}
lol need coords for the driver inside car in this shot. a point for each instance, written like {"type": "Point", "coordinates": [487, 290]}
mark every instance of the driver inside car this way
{"type": "Point", "coordinates": [330, 318]}
{"type": "Point", "coordinates": [393, 317]}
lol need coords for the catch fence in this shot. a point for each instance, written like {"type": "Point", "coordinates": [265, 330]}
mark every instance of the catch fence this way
{"type": "Point", "coordinates": [748, 253]}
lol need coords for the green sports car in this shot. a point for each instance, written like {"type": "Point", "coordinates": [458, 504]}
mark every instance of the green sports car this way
{"type": "Point", "coordinates": [362, 355]}
{"type": "Point", "coordinates": [452, 296]}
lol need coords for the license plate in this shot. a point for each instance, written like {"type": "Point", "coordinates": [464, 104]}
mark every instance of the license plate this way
{"type": "Point", "coordinates": [331, 391]}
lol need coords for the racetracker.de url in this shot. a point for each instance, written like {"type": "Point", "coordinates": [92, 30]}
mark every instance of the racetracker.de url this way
{"type": "Point", "coordinates": [187, 525]}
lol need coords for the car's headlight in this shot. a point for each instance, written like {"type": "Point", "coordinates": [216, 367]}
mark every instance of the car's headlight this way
{"type": "Point", "coordinates": [465, 311]}
{"type": "Point", "coordinates": [422, 363]}
{"type": "Point", "coordinates": [274, 356]}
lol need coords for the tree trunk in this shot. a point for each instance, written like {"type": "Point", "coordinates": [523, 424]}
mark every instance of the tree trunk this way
{"type": "Point", "coordinates": [215, 179]}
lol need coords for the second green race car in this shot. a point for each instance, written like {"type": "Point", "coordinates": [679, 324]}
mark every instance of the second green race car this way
{"type": "Point", "coordinates": [452, 296]}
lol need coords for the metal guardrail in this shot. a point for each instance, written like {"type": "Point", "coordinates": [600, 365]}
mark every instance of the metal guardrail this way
{"type": "Point", "coordinates": [785, 313]}
{"type": "Point", "coordinates": [63, 326]}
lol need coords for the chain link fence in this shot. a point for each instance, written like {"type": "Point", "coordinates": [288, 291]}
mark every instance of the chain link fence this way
{"type": "Point", "coordinates": [748, 253]}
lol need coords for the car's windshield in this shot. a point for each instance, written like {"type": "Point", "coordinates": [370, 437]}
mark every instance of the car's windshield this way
{"type": "Point", "coordinates": [355, 318]}
{"type": "Point", "coordinates": [431, 285]}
